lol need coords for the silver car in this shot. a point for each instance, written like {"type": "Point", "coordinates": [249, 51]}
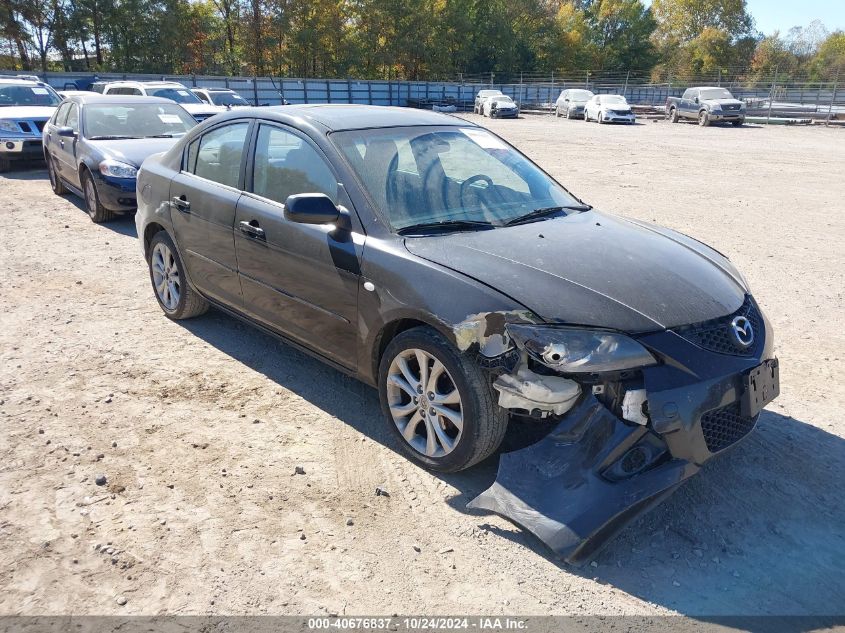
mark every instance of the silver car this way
{"type": "Point", "coordinates": [570, 104]}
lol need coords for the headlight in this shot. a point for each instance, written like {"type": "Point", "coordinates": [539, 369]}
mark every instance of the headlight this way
{"type": "Point", "coordinates": [570, 350]}
{"type": "Point", "coordinates": [117, 169]}
{"type": "Point", "coordinates": [9, 126]}
{"type": "Point", "coordinates": [716, 107]}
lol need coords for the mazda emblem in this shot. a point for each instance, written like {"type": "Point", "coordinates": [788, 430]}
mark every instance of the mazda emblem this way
{"type": "Point", "coordinates": [742, 332]}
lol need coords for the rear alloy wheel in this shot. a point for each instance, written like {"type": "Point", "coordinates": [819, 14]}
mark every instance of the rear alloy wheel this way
{"type": "Point", "coordinates": [438, 402]}
{"type": "Point", "coordinates": [174, 294]}
{"type": "Point", "coordinates": [703, 118]}
{"type": "Point", "coordinates": [96, 211]}
{"type": "Point", "coordinates": [55, 181]}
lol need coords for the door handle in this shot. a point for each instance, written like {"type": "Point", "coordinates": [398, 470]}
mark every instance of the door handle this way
{"type": "Point", "coordinates": [182, 204]}
{"type": "Point", "coordinates": [251, 230]}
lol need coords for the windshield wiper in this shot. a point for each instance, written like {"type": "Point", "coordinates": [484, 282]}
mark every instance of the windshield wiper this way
{"type": "Point", "coordinates": [447, 225]}
{"type": "Point", "coordinates": [543, 212]}
{"type": "Point", "coordinates": [159, 136]}
{"type": "Point", "coordinates": [110, 138]}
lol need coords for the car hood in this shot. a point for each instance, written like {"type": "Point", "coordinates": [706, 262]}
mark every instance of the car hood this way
{"type": "Point", "coordinates": [722, 102]}
{"type": "Point", "coordinates": [596, 270]}
{"type": "Point", "coordinates": [133, 151]}
{"type": "Point", "coordinates": [502, 103]}
{"type": "Point", "coordinates": [26, 112]}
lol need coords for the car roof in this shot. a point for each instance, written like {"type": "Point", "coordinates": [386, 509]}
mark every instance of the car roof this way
{"type": "Point", "coordinates": [338, 117]}
{"type": "Point", "coordinates": [22, 82]}
{"type": "Point", "coordinates": [144, 83]}
{"type": "Point", "coordinates": [213, 89]}
{"type": "Point", "coordinates": [96, 97]}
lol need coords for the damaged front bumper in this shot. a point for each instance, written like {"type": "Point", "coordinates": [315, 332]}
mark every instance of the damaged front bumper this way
{"type": "Point", "coordinates": [623, 446]}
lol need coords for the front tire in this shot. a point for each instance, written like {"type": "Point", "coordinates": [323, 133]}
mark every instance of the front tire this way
{"type": "Point", "coordinates": [703, 119]}
{"type": "Point", "coordinates": [96, 211]}
{"type": "Point", "coordinates": [167, 274]}
{"type": "Point", "coordinates": [438, 403]}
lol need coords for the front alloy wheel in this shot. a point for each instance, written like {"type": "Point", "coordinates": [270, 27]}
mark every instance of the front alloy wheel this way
{"type": "Point", "coordinates": [425, 403]}
{"type": "Point", "coordinates": [438, 403]}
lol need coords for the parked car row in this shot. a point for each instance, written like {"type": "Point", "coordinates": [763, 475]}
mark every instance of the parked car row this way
{"type": "Point", "coordinates": [400, 247]}
{"type": "Point", "coordinates": [705, 105]}
{"type": "Point", "coordinates": [28, 103]}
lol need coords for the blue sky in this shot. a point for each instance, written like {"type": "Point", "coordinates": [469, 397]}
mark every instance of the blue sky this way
{"type": "Point", "coordinates": [773, 15]}
{"type": "Point", "coordinates": [782, 15]}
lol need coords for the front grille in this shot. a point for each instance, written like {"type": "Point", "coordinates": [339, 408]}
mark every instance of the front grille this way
{"type": "Point", "coordinates": [40, 125]}
{"type": "Point", "coordinates": [725, 426]}
{"type": "Point", "coordinates": [731, 107]}
{"type": "Point", "coordinates": [716, 335]}
{"type": "Point", "coordinates": [621, 112]}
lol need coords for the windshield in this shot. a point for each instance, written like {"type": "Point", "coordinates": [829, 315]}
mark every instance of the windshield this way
{"type": "Point", "coordinates": [580, 95]}
{"type": "Point", "coordinates": [421, 175]}
{"type": "Point", "coordinates": [227, 98]}
{"type": "Point", "coordinates": [715, 93]}
{"type": "Point", "coordinates": [179, 95]}
{"type": "Point", "coordinates": [613, 99]}
{"type": "Point", "coordinates": [24, 95]}
{"type": "Point", "coordinates": [144, 120]}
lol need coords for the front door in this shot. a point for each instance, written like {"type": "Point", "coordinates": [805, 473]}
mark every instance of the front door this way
{"type": "Point", "coordinates": [65, 148]}
{"type": "Point", "coordinates": [299, 279]}
{"type": "Point", "coordinates": [203, 199]}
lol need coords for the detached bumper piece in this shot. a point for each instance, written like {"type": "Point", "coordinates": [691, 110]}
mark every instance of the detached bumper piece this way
{"type": "Point", "coordinates": [576, 488]}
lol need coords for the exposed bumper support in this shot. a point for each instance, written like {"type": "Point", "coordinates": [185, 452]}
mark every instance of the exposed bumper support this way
{"type": "Point", "coordinates": [572, 489]}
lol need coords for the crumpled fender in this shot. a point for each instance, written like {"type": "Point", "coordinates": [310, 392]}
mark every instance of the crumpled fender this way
{"type": "Point", "coordinates": [559, 489]}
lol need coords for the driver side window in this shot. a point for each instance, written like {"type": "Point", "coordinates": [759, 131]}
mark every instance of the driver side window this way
{"type": "Point", "coordinates": [286, 164]}
{"type": "Point", "coordinates": [72, 120]}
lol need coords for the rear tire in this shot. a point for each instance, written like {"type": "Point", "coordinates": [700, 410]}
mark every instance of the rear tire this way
{"type": "Point", "coordinates": [452, 378]}
{"type": "Point", "coordinates": [96, 211]}
{"type": "Point", "coordinates": [170, 284]}
{"type": "Point", "coordinates": [673, 115]}
{"type": "Point", "coordinates": [55, 180]}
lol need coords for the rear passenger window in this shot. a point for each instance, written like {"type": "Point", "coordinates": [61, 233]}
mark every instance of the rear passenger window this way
{"type": "Point", "coordinates": [286, 165]}
{"type": "Point", "coordinates": [218, 155]}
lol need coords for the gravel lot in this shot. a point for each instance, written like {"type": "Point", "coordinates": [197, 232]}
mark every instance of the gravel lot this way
{"type": "Point", "coordinates": [199, 426]}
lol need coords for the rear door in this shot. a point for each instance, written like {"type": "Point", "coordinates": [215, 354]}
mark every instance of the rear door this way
{"type": "Point", "coordinates": [299, 279]}
{"type": "Point", "coordinates": [203, 199]}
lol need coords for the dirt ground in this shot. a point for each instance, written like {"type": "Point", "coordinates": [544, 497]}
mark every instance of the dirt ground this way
{"type": "Point", "coordinates": [198, 426]}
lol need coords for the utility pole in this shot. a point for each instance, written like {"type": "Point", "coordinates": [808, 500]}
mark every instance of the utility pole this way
{"type": "Point", "coordinates": [625, 89]}
{"type": "Point", "coordinates": [772, 94]}
{"type": "Point", "coordinates": [832, 98]}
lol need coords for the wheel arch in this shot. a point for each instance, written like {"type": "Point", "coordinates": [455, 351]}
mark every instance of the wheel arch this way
{"type": "Point", "coordinates": [391, 329]}
{"type": "Point", "coordinates": [150, 232]}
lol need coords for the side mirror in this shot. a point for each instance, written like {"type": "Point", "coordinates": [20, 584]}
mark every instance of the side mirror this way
{"type": "Point", "coordinates": [311, 208]}
{"type": "Point", "coordinates": [696, 100]}
{"type": "Point", "coordinates": [66, 131]}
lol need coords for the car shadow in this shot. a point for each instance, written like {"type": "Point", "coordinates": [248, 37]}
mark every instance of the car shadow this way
{"type": "Point", "coordinates": [757, 532]}
{"type": "Point", "coordinates": [26, 170]}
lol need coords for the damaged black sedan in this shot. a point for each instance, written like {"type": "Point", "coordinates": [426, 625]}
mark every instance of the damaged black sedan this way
{"type": "Point", "coordinates": [427, 257]}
